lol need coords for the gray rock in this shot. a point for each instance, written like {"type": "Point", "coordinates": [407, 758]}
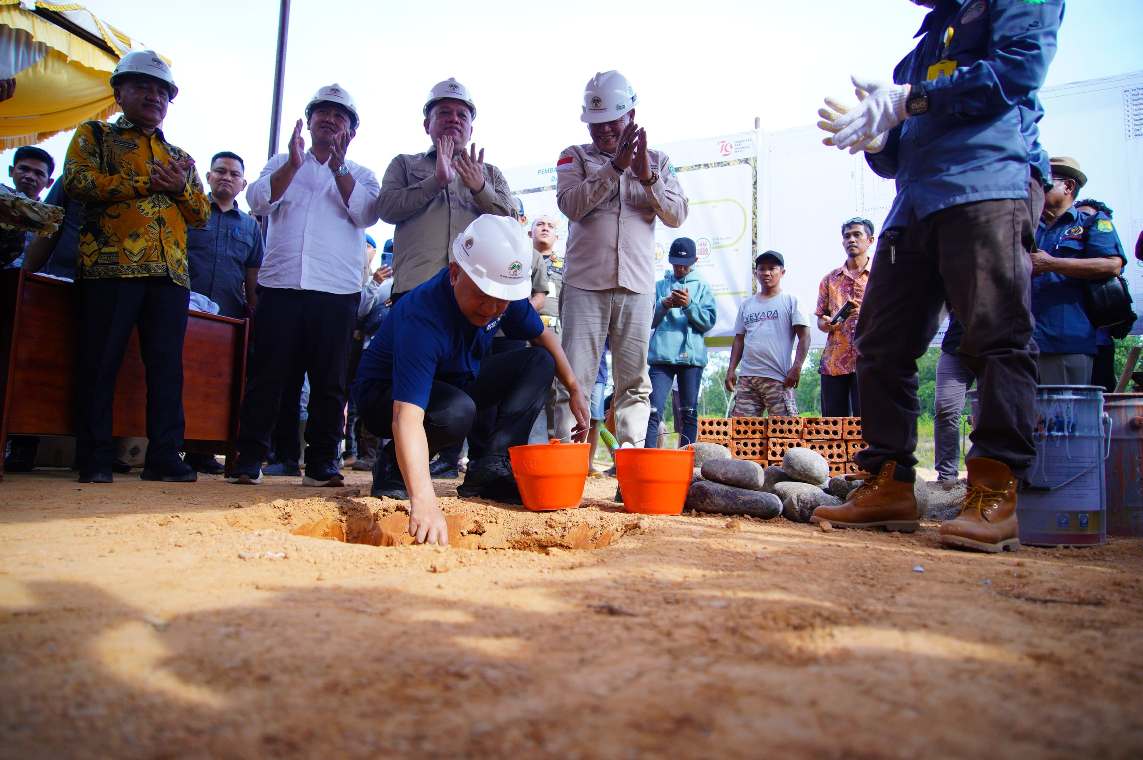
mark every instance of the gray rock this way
{"type": "Point", "coordinates": [940, 500]}
{"type": "Point", "coordinates": [705, 496]}
{"type": "Point", "coordinates": [706, 452]}
{"type": "Point", "coordinates": [840, 487]}
{"type": "Point", "coordinates": [806, 466]}
{"type": "Point", "coordinates": [791, 487]}
{"type": "Point", "coordinates": [739, 473]}
{"type": "Point", "coordinates": [774, 475]}
{"type": "Point", "coordinates": [799, 506]}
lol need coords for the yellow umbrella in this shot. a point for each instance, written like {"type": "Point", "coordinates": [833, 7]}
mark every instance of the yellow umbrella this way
{"type": "Point", "coordinates": [71, 54]}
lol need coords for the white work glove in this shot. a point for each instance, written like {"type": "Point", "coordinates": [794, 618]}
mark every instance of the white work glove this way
{"type": "Point", "coordinates": [881, 107]}
{"type": "Point", "coordinates": [831, 113]}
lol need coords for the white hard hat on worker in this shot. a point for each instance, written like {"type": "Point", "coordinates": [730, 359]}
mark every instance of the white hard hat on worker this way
{"type": "Point", "coordinates": [449, 89]}
{"type": "Point", "coordinates": [607, 97]}
{"type": "Point", "coordinates": [145, 63]}
{"type": "Point", "coordinates": [496, 255]}
{"type": "Point", "coordinates": [335, 94]}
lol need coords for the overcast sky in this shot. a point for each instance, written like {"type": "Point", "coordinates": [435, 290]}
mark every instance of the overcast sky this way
{"type": "Point", "coordinates": [700, 69]}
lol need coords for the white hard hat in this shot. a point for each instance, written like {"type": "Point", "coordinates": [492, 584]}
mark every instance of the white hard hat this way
{"type": "Point", "coordinates": [449, 88]}
{"type": "Point", "coordinates": [147, 63]}
{"type": "Point", "coordinates": [336, 94]}
{"type": "Point", "coordinates": [496, 254]}
{"type": "Point", "coordinates": [608, 96]}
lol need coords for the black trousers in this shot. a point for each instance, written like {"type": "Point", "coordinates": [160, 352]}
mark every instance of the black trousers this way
{"type": "Point", "coordinates": [840, 397]}
{"type": "Point", "coordinates": [108, 311]}
{"type": "Point", "coordinates": [976, 256]}
{"type": "Point", "coordinates": [494, 412]}
{"type": "Point", "coordinates": [1103, 368]}
{"type": "Point", "coordinates": [294, 330]}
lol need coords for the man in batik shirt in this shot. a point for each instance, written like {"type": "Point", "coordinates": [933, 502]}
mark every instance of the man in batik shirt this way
{"type": "Point", "coordinates": [843, 288]}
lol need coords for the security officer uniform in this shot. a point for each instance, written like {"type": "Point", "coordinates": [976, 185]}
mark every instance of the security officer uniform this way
{"type": "Point", "coordinates": [1064, 334]}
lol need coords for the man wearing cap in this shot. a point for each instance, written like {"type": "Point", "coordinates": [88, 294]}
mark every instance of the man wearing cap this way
{"type": "Point", "coordinates": [141, 194]}
{"type": "Point", "coordinates": [1071, 247]}
{"type": "Point", "coordinates": [957, 129]}
{"type": "Point", "coordinates": [613, 190]}
{"type": "Point", "coordinates": [318, 205]}
{"type": "Point", "coordinates": [431, 197]}
{"type": "Point", "coordinates": [684, 311]}
{"type": "Point", "coordinates": [429, 379]}
{"type": "Point", "coordinates": [760, 373]}
{"type": "Point", "coordinates": [843, 290]}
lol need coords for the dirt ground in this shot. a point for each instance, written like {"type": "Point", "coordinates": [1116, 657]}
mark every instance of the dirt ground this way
{"type": "Point", "coordinates": [158, 620]}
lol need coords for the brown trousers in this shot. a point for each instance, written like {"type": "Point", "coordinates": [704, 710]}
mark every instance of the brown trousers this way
{"type": "Point", "coordinates": [975, 257]}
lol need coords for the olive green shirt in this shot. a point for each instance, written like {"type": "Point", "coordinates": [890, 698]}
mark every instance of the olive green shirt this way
{"type": "Point", "coordinates": [429, 216]}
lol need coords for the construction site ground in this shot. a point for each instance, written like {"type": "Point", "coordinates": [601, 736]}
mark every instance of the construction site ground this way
{"type": "Point", "coordinates": [154, 620]}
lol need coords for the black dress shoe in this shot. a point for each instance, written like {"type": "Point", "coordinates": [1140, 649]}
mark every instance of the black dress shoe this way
{"type": "Point", "coordinates": [120, 467]}
{"type": "Point", "coordinates": [483, 472]}
{"type": "Point", "coordinates": [95, 476]}
{"type": "Point", "coordinates": [443, 470]}
{"type": "Point", "coordinates": [176, 472]}
{"type": "Point", "coordinates": [205, 463]}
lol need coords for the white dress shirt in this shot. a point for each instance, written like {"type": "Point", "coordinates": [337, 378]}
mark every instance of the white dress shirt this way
{"type": "Point", "coordinates": [314, 241]}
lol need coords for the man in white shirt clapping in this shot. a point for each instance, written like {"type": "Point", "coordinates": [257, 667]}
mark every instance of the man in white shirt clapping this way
{"type": "Point", "coordinates": [317, 205]}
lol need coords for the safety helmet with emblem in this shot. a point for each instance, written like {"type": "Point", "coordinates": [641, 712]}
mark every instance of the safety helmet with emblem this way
{"type": "Point", "coordinates": [607, 97]}
{"type": "Point", "coordinates": [494, 252]}
{"type": "Point", "coordinates": [336, 94]}
{"type": "Point", "coordinates": [449, 89]}
{"type": "Point", "coordinates": [145, 63]}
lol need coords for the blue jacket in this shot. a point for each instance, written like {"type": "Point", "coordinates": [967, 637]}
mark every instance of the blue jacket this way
{"type": "Point", "coordinates": [981, 63]}
{"type": "Point", "coordinates": [677, 333]}
{"type": "Point", "coordinates": [1062, 326]}
{"type": "Point", "coordinates": [426, 338]}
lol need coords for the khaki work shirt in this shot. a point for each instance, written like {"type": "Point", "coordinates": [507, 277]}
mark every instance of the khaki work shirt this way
{"type": "Point", "coordinates": [611, 237]}
{"type": "Point", "coordinates": [428, 217]}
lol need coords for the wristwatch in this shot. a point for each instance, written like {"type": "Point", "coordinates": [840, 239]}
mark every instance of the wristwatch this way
{"type": "Point", "coordinates": [650, 180]}
{"type": "Point", "coordinates": [918, 101]}
{"type": "Point", "coordinates": [342, 170]}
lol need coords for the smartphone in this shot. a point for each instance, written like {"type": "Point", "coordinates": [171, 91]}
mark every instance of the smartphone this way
{"type": "Point", "coordinates": [842, 313]}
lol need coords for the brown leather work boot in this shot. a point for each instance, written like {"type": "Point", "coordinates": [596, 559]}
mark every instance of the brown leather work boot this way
{"type": "Point", "coordinates": [987, 520]}
{"type": "Point", "coordinates": [881, 502]}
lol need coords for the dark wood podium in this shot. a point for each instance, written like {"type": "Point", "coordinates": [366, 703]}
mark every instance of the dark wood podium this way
{"type": "Point", "coordinates": [37, 378]}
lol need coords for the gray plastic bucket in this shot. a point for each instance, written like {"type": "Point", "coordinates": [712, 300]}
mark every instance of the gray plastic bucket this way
{"type": "Point", "coordinates": [1124, 471]}
{"type": "Point", "coordinates": [1063, 501]}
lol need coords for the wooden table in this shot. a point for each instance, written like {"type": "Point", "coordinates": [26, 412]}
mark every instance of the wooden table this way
{"type": "Point", "coordinates": [37, 377]}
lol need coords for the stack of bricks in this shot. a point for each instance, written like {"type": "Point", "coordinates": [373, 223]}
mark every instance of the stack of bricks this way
{"type": "Point", "coordinates": [766, 439]}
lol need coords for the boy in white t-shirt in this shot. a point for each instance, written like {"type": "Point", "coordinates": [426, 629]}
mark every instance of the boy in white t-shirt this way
{"type": "Point", "coordinates": [764, 333]}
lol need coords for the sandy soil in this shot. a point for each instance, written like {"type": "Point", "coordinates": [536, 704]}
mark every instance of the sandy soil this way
{"type": "Point", "coordinates": [154, 620]}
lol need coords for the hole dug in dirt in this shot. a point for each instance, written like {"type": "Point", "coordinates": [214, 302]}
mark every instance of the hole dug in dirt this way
{"type": "Point", "coordinates": [500, 529]}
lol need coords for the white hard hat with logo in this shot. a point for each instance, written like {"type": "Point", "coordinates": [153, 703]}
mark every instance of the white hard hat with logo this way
{"type": "Point", "coordinates": [607, 97]}
{"type": "Point", "coordinates": [145, 63]}
{"type": "Point", "coordinates": [336, 94]}
{"type": "Point", "coordinates": [449, 88]}
{"type": "Point", "coordinates": [496, 254]}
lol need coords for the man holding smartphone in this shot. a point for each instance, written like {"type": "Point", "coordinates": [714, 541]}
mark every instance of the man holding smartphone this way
{"type": "Point", "coordinates": [839, 301]}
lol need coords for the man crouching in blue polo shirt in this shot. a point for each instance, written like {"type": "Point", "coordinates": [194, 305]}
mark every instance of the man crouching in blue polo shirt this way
{"type": "Point", "coordinates": [428, 380]}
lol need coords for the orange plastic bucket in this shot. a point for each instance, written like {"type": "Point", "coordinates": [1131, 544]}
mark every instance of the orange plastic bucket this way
{"type": "Point", "coordinates": [654, 481]}
{"type": "Point", "coordinates": [550, 475]}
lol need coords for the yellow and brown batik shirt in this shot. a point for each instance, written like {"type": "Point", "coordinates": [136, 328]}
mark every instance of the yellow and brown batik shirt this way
{"type": "Point", "coordinates": [128, 230]}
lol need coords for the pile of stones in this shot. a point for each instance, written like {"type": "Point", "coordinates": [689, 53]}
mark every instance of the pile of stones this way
{"type": "Point", "coordinates": [729, 486]}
